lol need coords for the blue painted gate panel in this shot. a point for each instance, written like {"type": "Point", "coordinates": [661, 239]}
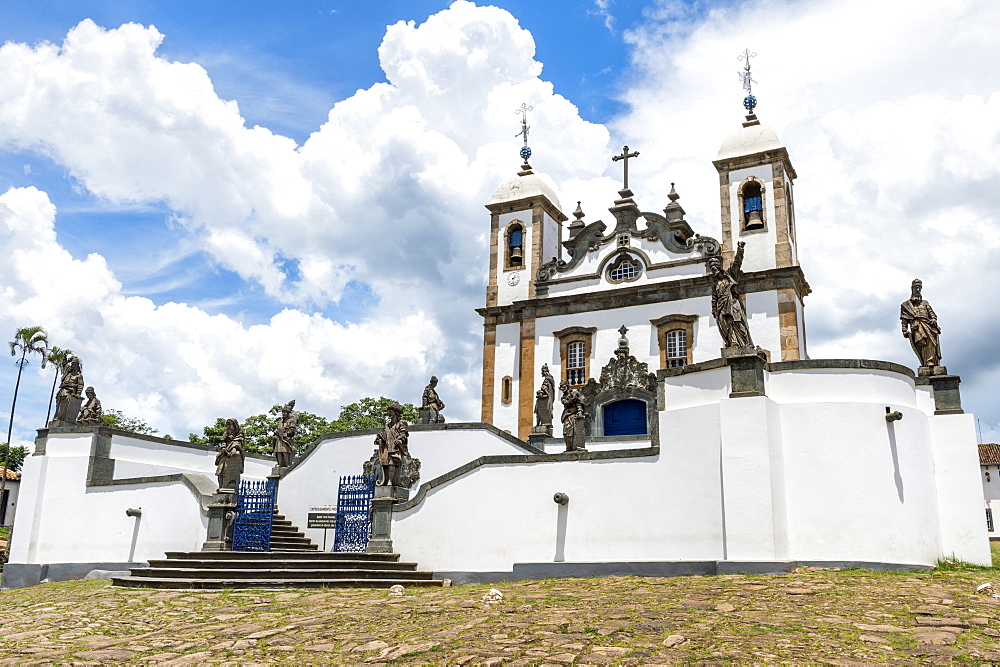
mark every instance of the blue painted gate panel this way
{"type": "Point", "coordinates": [626, 417]}
{"type": "Point", "coordinates": [254, 515]}
{"type": "Point", "coordinates": [354, 505]}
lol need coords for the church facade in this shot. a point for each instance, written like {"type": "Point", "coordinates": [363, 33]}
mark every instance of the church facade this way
{"type": "Point", "coordinates": [559, 293]}
{"type": "Point", "coordinates": [708, 450]}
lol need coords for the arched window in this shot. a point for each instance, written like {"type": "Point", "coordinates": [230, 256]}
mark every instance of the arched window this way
{"type": "Point", "coordinates": [514, 254]}
{"type": "Point", "coordinates": [576, 366]}
{"type": "Point", "coordinates": [676, 348]}
{"type": "Point", "coordinates": [752, 200]}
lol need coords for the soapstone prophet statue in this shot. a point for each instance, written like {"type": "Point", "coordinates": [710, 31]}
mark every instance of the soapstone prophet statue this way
{"type": "Point", "coordinates": [229, 460]}
{"type": "Point", "coordinates": [91, 411]}
{"type": "Point", "coordinates": [727, 308]}
{"type": "Point", "coordinates": [920, 326]}
{"type": "Point", "coordinates": [284, 436]}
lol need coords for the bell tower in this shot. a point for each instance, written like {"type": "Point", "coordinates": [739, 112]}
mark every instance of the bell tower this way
{"type": "Point", "coordinates": [525, 232]}
{"type": "Point", "coordinates": [755, 187]}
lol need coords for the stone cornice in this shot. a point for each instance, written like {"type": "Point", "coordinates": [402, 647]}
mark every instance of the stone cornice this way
{"type": "Point", "coordinates": [636, 295]}
{"type": "Point", "coordinates": [525, 204]}
{"type": "Point", "coordinates": [753, 159]}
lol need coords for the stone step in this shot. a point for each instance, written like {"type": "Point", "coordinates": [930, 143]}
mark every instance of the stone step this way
{"type": "Point", "coordinates": [281, 555]}
{"type": "Point", "coordinates": [190, 583]}
{"type": "Point", "coordinates": [288, 564]}
{"type": "Point", "coordinates": [277, 573]}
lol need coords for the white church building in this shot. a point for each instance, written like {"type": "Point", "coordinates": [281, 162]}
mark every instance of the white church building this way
{"type": "Point", "coordinates": [696, 461]}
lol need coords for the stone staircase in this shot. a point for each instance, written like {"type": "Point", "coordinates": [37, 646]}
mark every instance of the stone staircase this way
{"type": "Point", "coordinates": [276, 569]}
{"type": "Point", "coordinates": [293, 562]}
{"type": "Point", "coordinates": [286, 537]}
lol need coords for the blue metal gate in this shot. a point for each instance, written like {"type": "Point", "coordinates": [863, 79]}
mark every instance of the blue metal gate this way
{"type": "Point", "coordinates": [254, 514]}
{"type": "Point", "coordinates": [354, 521]}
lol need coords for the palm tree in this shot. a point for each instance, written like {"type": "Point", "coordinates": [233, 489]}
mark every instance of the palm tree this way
{"type": "Point", "coordinates": [58, 357]}
{"type": "Point", "coordinates": [28, 339]}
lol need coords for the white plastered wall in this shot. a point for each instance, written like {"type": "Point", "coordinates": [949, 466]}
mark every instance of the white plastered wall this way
{"type": "Point", "coordinates": [12, 486]}
{"type": "Point", "coordinates": [759, 251]}
{"type": "Point", "coordinates": [662, 507]}
{"type": "Point", "coordinates": [506, 362]}
{"type": "Point", "coordinates": [506, 293]}
{"type": "Point", "coordinates": [315, 480]}
{"type": "Point", "coordinates": [812, 472]}
{"type": "Point", "coordinates": [62, 520]}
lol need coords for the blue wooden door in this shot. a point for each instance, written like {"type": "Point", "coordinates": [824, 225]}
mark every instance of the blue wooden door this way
{"type": "Point", "coordinates": [626, 417]}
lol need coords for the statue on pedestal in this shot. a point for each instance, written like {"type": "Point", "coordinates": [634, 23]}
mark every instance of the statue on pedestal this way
{"type": "Point", "coordinates": [392, 461]}
{"type": "Point", "coordinates": [284, 436]}
{"type": "Point", "coordinates": [920, 326]}
{"type": "Point", "coordinates": [727, 308]}
{"type": "Point", "coordinates": [229, 460]}
{"type": "Point", "coordinates": [544, 399]}
{"type": "Point", "coordinates": [574, 418]}
{"type": "Point", "coordinates": [431, 404]}
{"type": "Point", "coordinates": [70, 392]}
{"type": "Point", "coordinates": [91, 412]}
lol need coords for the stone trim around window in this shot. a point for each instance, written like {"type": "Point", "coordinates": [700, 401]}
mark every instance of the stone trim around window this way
{"type": "Point", "coordinates": [670, 323]}
{"type": "Point", "coordinates": [515, 225]}
{"type": "Point", "coordinates": [569, 335]}
{"type": "Point", "coordinates": [763, 205]}
{"type": "Point", "coordinates": [506, 389]}
{"type": "Point", "coordinates": [618, 263]}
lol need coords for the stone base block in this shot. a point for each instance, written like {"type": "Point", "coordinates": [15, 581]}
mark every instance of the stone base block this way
{"type": "Point", "coordinates": [542, 429]}
{"type": "Point", "coordinates": [928, 371]}
{"type": "Point", "coordinates": [428, 416]}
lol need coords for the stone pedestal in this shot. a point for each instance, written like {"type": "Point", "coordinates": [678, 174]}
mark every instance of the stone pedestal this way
{"type": "Point", "coordinates": [221, 512]}
{"type": "Point", "coordinates": [537, 440]}
{"type": "Point", "coordinates": [428, 416]}
{"type": "Point", "coordinates": [385, 498]}
{"type": "Point", "coordinates": [928, 371]}
{"type": "Point", "coordinates": [746, 366]}
{"type": "Point", "coordinates": [544, 430]}
{"type": "Point", "coordinates": [947, 399]}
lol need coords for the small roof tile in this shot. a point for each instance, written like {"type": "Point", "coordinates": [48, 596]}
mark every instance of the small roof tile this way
{"type": "Point", "coordinates": [989, 453]}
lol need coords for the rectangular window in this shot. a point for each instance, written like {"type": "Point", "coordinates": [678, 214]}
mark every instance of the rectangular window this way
{"type": "Point", "coordinates": [676, 348]}
{"type": "Point", "coordinates": [989, 519]}
{"type": "Point", "coordinates": [576, 363]}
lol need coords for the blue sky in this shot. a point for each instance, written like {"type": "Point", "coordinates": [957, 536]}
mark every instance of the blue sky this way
{"type": "Point", "coordinates": [169, 238]}
{"type": "Point", "coordinates": [285, 65]}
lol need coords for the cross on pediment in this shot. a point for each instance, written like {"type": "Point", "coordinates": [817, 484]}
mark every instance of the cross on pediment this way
{"type": "Point", "coordinates": [625, 156]}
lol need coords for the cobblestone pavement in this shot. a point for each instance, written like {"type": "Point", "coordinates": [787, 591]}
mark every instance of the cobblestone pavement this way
{"type": "Point", "coordinates": [812, 616]}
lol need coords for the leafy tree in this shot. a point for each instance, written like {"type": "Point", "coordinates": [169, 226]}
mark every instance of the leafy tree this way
{"type": "Point", "coordinates": [258, 430]}
{"type": "Point", "coordinates": [16, 458]}
{"type": "Point", "coordinates": [31, 340]}
{"type": "Point", "coordinates": [369, 413]}
{"type": "Point", "coordinates": [58, 357]}
{"type": "Point", "coordinates": [115, 419]}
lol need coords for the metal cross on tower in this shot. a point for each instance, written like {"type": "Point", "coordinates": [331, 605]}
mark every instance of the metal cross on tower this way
{"type": "Point", "coordinates": [625, 156]}
{"type": "Point", "coordinates": [523, 111]}
{"type": "Point", "coordinates": [749, 102]}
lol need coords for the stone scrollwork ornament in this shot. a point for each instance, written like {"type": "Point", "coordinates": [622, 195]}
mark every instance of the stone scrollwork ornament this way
{"type": "Point", "coordinates": [624, 370]}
